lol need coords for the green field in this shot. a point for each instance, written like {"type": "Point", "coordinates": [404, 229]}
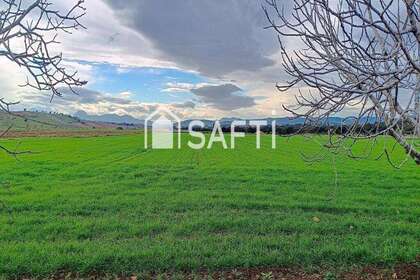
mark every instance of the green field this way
{"type": "Point", "coordinates": [107, 204]}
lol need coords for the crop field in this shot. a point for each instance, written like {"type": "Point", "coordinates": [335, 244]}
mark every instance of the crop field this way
{"type": "Point", "coordinates": [107, 204]}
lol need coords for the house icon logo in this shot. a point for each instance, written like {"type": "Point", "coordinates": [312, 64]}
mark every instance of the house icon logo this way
{"type": "Point", "coordinates": [164, 126]}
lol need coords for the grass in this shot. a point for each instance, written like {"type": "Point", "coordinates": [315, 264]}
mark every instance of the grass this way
{"type": "Point", "coordinates": [106, 204]}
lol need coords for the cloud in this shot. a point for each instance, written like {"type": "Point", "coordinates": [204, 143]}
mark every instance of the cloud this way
{"type": "Point", "coordinates": [107, 40]}
{"type": "Point", "coordinates": [212, 37]}
{"type": "Point", "coordinates": [174, 87]}
{"type": "Point", "coordinates": [125, 94]}
{"type": "Point", "coordinates": [223, 97]}
{"type": "Point", "coordinates": [9, 83]}
{"type": "Point", "coordinates": [178, 87]}
{"type": "Point", "coordinates": [91, 101]}
{"type": "Point", "coordinates": [222, 40]}
{"type": "Point", "coordinates": [87, 96]}
{"type": "Point", "coordinates": [98, 103]}
{"type": "Point", "coordinates": [84, 70]}
{"type": "Point", "coordinates": [185, 105]}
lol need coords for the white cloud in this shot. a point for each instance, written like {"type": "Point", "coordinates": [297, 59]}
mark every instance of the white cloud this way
{"type": "Point", "coordinates": [183, 87]}
{"type": "Point", "coordinates": [84, 71]}
{"type": "Point", "coordinates": [125, 94]}
{"type": "Point", "coordinates": [11, 79]}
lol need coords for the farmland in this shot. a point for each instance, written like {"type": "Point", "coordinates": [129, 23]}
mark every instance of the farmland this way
{"type": "Point", "coordinates": [107, 204]}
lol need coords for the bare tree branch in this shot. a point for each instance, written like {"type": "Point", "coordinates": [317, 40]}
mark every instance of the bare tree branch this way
{"type": "Point", "coordinates": [357, 55]}
{"type": "Point", "coordinates": [28, 35]}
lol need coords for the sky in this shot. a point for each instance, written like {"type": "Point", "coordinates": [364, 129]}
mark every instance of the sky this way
{"type": "Point", "coordinates": [204, 59]}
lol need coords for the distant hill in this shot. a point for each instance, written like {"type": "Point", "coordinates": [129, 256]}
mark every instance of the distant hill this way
{"type": "Point", "coordinates": [21, 121]}
{"type": "Point", "coordinates": [42, 121]}
{"type": "Point", "coordinates": [109, 118]}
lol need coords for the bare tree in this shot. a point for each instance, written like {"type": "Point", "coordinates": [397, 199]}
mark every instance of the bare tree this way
{"type": "Point", "coordinates": [28, 35]}
{"type": "Point", "coordinates": [359, 56]}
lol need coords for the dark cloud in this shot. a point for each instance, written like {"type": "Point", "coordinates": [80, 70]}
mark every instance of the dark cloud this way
{"type": "Point", "coordinates": [215, 37]}
{"type": "Point", "coordinates": [223, 97]}
{"type": "Point", "coordinates": [80, 96]}
{"type": "Point", "coordinates": [87, 96]}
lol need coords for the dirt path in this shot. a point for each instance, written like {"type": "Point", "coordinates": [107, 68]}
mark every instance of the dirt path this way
{"type": "Point", "coordinates": [404, 271]}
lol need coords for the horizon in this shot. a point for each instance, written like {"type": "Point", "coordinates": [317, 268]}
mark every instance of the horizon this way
{"type": "Point", "coordinates": [77, 115]}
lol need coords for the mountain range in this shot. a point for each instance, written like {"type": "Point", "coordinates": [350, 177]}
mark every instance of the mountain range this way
{"type": "Point", "coordinates": [224, 122]}
{"type": "Point", "coordinates": [108, 118]}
